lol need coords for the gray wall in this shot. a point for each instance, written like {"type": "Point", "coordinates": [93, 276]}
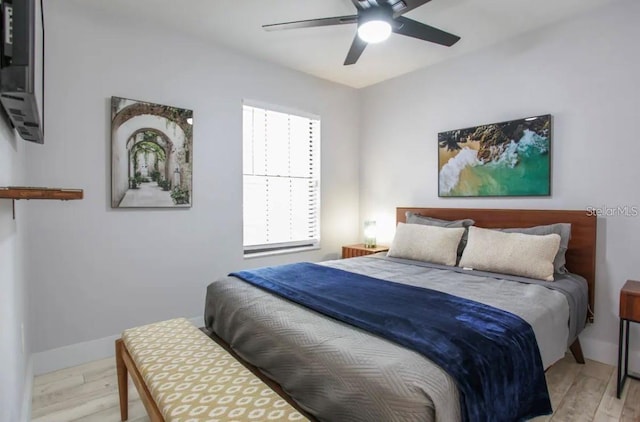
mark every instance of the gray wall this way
{"type": "Point", "coordinates": [15, 373]}
{"type": "Point", "coordinates": [99, 270]}
{"type": "Point", "coordinates": [585, 73]}
{"type": "Point", "coordinates": [94, 271]}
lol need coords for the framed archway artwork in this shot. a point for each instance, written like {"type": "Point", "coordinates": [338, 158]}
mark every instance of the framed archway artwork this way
{"type": "Point", "coordinates": [151, 155]}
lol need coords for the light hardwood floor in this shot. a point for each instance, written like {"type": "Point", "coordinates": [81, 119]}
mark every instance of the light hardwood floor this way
{"type": "Point", "coordinates": [88, 393]}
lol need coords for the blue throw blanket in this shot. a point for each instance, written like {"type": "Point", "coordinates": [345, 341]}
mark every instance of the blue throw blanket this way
{"type": "Point", "coordinates": [491, 354]}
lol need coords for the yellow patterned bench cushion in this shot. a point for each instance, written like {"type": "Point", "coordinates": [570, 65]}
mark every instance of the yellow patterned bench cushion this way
{"type": "Point", "coordinates": [192, 378]}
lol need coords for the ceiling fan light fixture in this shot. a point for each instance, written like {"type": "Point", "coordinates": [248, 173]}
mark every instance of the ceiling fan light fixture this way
{"type": "Point", "coordinates": [374, 31]}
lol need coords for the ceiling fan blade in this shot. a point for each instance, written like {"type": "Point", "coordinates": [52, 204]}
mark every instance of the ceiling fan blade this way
{"type": "Point", "coordinates": [357, 47]}
{"type": "Point", "coordinates": [365, 4]}
{"type": "Point", "coordinates": [415, 29]}
{"type": "Point", "coordinates": [400, 7]}
{"type": "Point", "coordinates": [311, 23]}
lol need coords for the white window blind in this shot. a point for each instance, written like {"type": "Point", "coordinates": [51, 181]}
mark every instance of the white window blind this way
{"type": "Point", "coordinates": [281, 180]}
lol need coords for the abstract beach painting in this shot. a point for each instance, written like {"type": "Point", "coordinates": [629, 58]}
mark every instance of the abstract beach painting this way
{"type": "Point", "coordinates": [499, 159]}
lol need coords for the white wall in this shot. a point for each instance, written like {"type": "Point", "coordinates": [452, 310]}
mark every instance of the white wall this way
{"type": "Point", "coordinates": [15, 373]}
{"type": "Point", "coordinates": [95, 271]}
{"type": "Point", "coordinates": [585, 73]}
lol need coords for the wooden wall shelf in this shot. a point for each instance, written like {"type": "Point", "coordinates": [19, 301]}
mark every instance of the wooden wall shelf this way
{"type": "Point", "coordinates": [23, 192]}
{"type": "Point", "coordinates": [20, 192]}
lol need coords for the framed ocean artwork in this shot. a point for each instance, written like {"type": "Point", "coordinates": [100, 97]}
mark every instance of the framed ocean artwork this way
{"type": "Point", "coordinates": [499, 159]}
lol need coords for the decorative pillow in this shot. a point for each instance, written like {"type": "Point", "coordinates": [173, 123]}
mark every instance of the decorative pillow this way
{"type": "Point", "coordinates": [562, 229]}
{"type": "Point", "coordinates": [413, 218]}
{"type": "Point", "coordinates": [426, 243]}
{"type": "Point", "coordinates": [511, 253]}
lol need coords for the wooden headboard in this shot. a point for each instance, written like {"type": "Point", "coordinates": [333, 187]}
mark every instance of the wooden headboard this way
{"type": "Point", "coordinates": [581, 255]}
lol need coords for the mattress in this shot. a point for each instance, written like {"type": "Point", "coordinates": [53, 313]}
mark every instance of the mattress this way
{"type": "Point", "coordinates": [339, 372]}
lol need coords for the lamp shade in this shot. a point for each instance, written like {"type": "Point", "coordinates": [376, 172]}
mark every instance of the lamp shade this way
{"type": "Point", "coordinates": [370, 234]}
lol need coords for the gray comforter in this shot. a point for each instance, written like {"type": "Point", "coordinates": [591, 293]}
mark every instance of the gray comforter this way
{"type": "Point", "coordinates": [340, 373]}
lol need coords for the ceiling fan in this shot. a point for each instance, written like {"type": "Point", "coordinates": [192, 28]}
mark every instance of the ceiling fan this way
{"type": "Point", "coordinates": [376, 20]}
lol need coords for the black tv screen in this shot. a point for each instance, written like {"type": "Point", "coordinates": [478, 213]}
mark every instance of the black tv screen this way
{"type": "Point", "coordinates": [22, 66]}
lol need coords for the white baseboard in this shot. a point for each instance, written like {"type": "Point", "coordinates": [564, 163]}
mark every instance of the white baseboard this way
{"type": "Point", "coordinates": [79, 353]}
{"type": "Point", "coordinates": [25, 415]}
{"type": "Point", "coordinates": [606, 352]}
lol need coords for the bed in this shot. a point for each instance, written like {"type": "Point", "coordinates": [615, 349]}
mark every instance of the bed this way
{"type": "Point", "coordinates": [335, 371]}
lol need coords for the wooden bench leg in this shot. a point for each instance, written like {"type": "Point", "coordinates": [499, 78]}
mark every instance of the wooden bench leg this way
{"type": "Point", "coordinates": [126, 366]}
{"type": "Point", "coordinates": [122, 381]}
{"type": "Point", "coordinates": [576, 350]}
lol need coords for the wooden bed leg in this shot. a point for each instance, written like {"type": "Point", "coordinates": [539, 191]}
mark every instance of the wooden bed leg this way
{"type": "Point", "coordinates": [122, 381]}
{"type": "Point", "coordinates": [576, 350]}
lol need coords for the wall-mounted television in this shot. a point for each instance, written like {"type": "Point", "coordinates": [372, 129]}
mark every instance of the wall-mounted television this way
{"type": "Point", "coordinates": [22, 66]}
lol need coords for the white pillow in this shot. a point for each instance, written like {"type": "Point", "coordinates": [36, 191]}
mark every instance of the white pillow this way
{"type": "Point", "coordinates": [511, 253]}
{"type": "Point", "coordinates": [438, 245]}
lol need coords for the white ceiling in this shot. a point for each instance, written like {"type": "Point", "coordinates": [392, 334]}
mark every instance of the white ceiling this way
{"type": "Point", "coordinates": [321, 51]}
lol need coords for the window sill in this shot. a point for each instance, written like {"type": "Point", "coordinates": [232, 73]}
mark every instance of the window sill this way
{"type": "Point", "coordinates": [280, 252]}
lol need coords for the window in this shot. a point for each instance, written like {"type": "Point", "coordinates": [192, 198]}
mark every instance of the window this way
{"type": "Point", "coordinates": [281, 179]}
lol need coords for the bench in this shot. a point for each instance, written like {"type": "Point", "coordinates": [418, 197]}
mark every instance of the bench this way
{"type": "Point", "coordinates": [183, 375]}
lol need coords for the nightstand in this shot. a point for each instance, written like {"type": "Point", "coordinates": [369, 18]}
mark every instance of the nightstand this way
{"type": "Point", "coordinates": [352, 251]}
{"type": "Point", "coordinates": [629, 312]}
